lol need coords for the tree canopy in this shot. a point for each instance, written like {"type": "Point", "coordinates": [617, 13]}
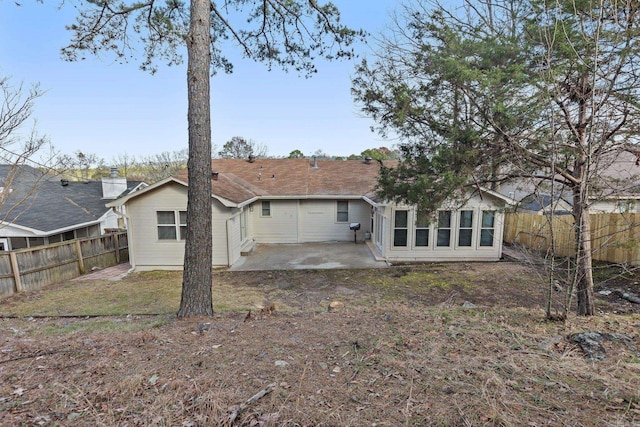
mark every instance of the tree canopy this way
{"type": "Point", "coordinates": [286, 33]}
{"type": "Point", "coordinates": [242, 148]}
{"type": "Point", "coordinates": [291, 34]}
{"type": "Point", "coordinates": [486, 92]}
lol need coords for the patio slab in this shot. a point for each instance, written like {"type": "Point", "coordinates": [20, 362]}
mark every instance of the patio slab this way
{"type": "Point", "coordinates": [331, 255]}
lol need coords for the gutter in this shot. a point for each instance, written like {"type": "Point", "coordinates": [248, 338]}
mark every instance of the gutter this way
{"type": "Point", "coordinates": [42, 233]}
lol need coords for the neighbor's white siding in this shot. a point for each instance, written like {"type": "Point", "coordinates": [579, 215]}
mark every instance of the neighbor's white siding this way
{"type": "Point", "coordinates": [279, 227]}
{"type": "Point", "coordinates": [8, 230]}
{"type": "Point", "coordinates": [318, 221]}
{"type": "Point", "coordinates": [432, 252]}
{"type": "Point", "coordinates": [615, 206]}
{"type": "Point", "coordinates": [108, 220]}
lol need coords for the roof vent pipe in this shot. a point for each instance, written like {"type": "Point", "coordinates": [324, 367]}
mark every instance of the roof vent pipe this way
{"type": "Point", "coordinates": [315, 162]}
{"type": "Point", "coordinates": [64, 182]}
{"type": "Point", "coordinates": [214, 175]}
{"type": "Point", "coordinates": [367, 160]}
{"type": "Point", "coordinates": [252, 158]}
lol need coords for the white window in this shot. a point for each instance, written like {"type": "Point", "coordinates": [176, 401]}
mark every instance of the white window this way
{"type": "Point", "coordinates": [422, 229]}
{"type": "Point", "coordinates": [266, 208]}
{"type": "Point", "coordinates": [444, 229]}
{"type": "Point", "coordinates": [487, 228]}
{"type": "Point", "coordinates": [343, 211]}
{"type": "Point", "coordinates": [465, 231]}
{"type": "Point", "coordinates": [400, 229]}
{"type": "Point", "coordinates": [172, 225]}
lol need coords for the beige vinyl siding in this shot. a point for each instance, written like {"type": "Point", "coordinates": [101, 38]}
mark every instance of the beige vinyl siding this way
{"type": "Point", "coordinates": [148, 252]}
{"type": "Point", "coordinates": [151, 253]}
{"type": "Point", "coordinates": [318, 220]}
{"type": "Point", "coordinates": [454, 252]}
{"type": "Point", "coordinates": [280, 227]}
{"type": "Point", "coordinates": [220, 215]}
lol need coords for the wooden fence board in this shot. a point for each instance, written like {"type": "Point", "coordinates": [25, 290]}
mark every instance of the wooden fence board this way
{"type": "Point", "coordinates": [43, 265]}
{"type": "Point", "coordinates": [614, 237]}
{"type": "Point", "coordinates": [7, 281]}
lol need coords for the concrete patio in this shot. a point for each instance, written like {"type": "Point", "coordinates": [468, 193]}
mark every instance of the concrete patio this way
{"type": "Point", "coordinates": [331, 255]}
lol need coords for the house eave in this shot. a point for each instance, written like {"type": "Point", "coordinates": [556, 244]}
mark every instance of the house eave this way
{"type": "Point", "coordinates": [615, 197]}
{"type": "Point", "coordinates": [43, 233]}
{"type": "Point", "coordinates": [374, 203]}
{"type": "Point", "coordinates": [313, 196]}
{"type": "Point", "coordinates": [123, 200]}
{"type": "Point", "coordinates": [508, 200]}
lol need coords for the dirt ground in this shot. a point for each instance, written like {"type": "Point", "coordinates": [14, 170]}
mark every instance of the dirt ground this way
{"type": "Point", "coordinates": [442, 344]}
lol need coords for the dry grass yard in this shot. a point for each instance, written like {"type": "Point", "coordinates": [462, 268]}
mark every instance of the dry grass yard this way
{"type": "Point", "coordinates": [442, 344]}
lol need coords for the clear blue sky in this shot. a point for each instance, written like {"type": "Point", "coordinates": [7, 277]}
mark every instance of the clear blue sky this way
{"type": "Point", "coordinates": [101, 107]}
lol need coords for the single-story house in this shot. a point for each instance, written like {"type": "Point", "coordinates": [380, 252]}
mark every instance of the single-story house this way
{"type": "Point", "coordinates": [298, 201]}
{"type": "Point", "coordinates": [39, 208]}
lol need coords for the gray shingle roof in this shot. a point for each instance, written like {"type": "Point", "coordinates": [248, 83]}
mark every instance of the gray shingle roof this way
{"type": "Point", "coordinates": [40, 202]}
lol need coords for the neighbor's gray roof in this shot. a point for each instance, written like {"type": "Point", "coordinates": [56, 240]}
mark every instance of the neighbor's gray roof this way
{"type": "Point", "coordinates": [537, 202]}
{"type": "Point", "coordinates": [40, 202]}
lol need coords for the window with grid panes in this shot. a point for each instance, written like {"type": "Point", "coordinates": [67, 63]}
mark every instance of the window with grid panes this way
{"type": "Point", "coordinates": [465, 231]}
{"type": "Point", "coordinates": [400, 229]}
{"type": "Point", "coordinates": [444, 229]}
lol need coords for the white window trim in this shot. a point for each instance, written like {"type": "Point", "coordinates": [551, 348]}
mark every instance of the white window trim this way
{"type": "Point", "coordinates": [480, 228]}
{"type": "Point", "coordinates": [339, 211]}
{"type": "Point", "coordinates": [262, 209]}
{"type": "Point", "coordinates": [452, 230]}
{"type": "Point", "coordinates": [406, 229]}
{"type": "Point", "coordinates": [177, 225]}
{"type": "Point", "coordinates": [415, 228]}
{"type": "Point", "coordinates": [459, 228]}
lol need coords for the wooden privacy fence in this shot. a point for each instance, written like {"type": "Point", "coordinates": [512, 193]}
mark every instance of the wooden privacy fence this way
{"type": "Point", "coordinates": [34, 268]}
{"type": "Point", "coordinates": [614, 237]}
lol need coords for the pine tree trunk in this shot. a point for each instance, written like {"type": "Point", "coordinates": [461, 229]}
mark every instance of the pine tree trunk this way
{"type": "Point", "coordinates": [196, 279]}
{"type": "Point", "coordinates": [584, 259]}
{"type": "Point", "coordinates": [583, 278]}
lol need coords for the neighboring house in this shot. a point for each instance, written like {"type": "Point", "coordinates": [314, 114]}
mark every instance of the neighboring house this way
{"type": "Point", "coordinates": [616, 189]}
{"type": "Point", "coordinates": [619, 189]}
{"type": "Point", "coordinates": [37, 208]}
{"type": "Point", "coordinates": [544, 204]}
{"type": "Point", "coordinates": [300, 201]}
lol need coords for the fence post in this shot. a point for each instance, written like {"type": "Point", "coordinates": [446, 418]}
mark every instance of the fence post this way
{"type": "Point", "coordinates": [116, 242]}
{"type": "Point", "coordinates": [80, 259]}
{"type": "Point", "coordinates": [17, 282]}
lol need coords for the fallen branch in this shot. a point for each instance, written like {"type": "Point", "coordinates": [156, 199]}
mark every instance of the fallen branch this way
{"type": "Point", "coordinates": [253, 399]}
{"type": "Point", "coordinates": [631, 298]}
{"type": "Point", "coordinates": [32, 356]}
